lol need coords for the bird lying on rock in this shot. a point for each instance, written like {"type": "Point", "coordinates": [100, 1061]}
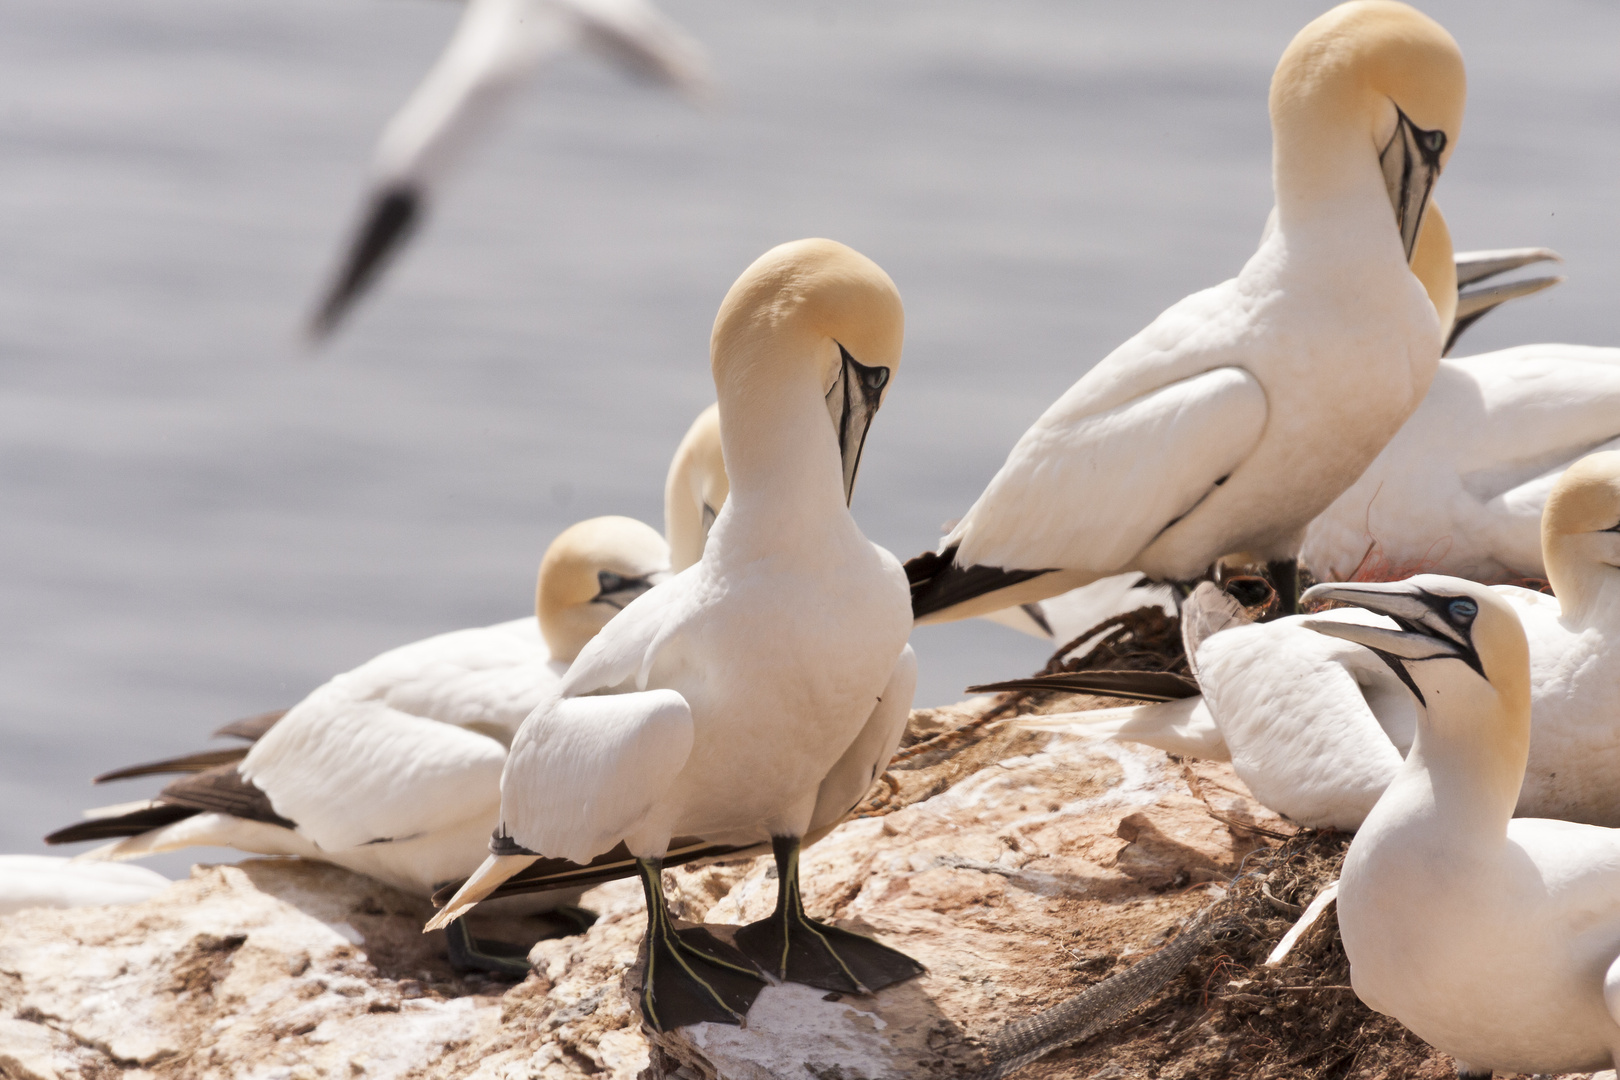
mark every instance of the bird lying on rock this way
{"type": "Point", "coordinates": [1496, 939]}
{"type": "Point", "coordinates": [393, 769]}
{"type": "Point", "coordinates": [1242, 412]}
{"type": "Point", "coordinates": [1317, 727]}
{"type": "Point", "coordinates": [720, 705]}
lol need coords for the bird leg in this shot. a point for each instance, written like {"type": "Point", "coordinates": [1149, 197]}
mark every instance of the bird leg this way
{"type": "Point", "coordinates": [469, 954]}
{"type": "Point", "coordinates": [1284, 575]}
{"type": "Point", "coordinates": [691, 976]}
{"type": "Point", "coordinates": [796, 948]}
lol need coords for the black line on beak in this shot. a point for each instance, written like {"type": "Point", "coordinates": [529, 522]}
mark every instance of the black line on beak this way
{"type": "Point", "coordinates": [1410, 173]}
{"type": "Point", "coordinates": [852, 402]}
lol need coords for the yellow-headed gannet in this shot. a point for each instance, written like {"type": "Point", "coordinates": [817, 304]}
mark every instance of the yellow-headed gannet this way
{"type": "Point", "coordinates": [1455, 284]}
{"type": "Point", "coordinates": [496, 47]}
{"type": "Point", "coordinates": [1240, 413]}
{"type": "Point", "coordinates": [718, 706]}
{"type": "Point", "coordinates": [1496, 940]}
{"type": "Point", "coordinates": [393, 769]}
{"type": "Point", "coordinates": [695, 490]}
{"type": "Point", "coordinates": [1317, 727]}
{"type": "Point", "coordinates": [30, 881]}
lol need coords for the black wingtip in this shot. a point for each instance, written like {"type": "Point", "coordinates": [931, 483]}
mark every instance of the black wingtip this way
{"type": "Point", "coordinates": [251, 728]}
{"type": "Point", "coordinates": [938, 584]}
{"type": "Point", "coordinates": [1131, 685]}
{"type": "Point", "coordinates": [391, 217]}
{"type": "Point", "coordinates": [189, 763]}
{"type": "Point", "coordinates": [116, 828]}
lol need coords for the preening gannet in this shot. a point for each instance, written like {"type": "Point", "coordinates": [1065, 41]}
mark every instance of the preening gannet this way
{"type": "Point", "coordinates": [1496, 940]}
{"type": "Point", "coordinates": [719, 706]}
{"type": "Point", "coordinates": [1317, 727]}
{"type": "Point", "coordinates": [1241, 412]}
{"type": "Point", "coordinates": [393, 769]}
{"type": "Point", "coordinates": [30, 881]}
{"type": "Point", "coordinates": [496, 47]}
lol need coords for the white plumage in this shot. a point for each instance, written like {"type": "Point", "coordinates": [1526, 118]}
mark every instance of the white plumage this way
{"type": "Point", "coordinates": [1496, 940]}
{"type": "Point", "coordinates": [496, 48]}
{"type": "Point", "coordinates": [1242, 411]}
{"type": "Point", "coordinates": [1317, 726]}
{"type": "Point", "coordinates": [30, 881]}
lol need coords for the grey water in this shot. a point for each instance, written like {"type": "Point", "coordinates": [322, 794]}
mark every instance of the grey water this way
{"type": "Point", "coordinates": [199, 521]}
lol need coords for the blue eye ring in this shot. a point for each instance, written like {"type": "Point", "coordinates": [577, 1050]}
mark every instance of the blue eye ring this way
{"type": "Point", "coordinates": [1463, 608]}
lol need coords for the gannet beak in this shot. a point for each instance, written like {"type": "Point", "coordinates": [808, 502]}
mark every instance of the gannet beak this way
{"type": "Point", "coordinates": [1477, 266]}
{"type": "Point", "coordinates": [852, 402]}
{"type": "Point", "coordinates": [1427, 621]}
{"type": "Point", "coordinates": [1411, 163]}
{"type": "Point", "coordinates": [616, 590]}
{"type": "Point", "coordinates": [485, 880]}
{"type": "Point", "coordinates": [391, 216]}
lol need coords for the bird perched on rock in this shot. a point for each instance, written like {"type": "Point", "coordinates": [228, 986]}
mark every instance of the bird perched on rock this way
{"type": "Point", "coordinates": [497, 46]}
{"type": "Point", "coordinates": [1241, 412]}
{"type": "Point", "coordinates": [721, 705]}
{"type": "Point", "coordinates": [393, 769]}
{"type": "Point", "coordinates": [1496, 939]}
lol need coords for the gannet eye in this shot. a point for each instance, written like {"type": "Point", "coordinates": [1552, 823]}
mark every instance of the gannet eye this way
{"type": "Point", "coordinates": [1463, 610]}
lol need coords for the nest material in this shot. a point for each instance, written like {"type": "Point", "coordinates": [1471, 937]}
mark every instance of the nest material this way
{"type": "Point", "coordinates": [1227, 1015]}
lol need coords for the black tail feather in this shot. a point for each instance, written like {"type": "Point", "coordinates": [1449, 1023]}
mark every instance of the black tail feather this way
{"type": "Point", "coordinates": [937, 583]}
{"type": "Point", "coordinates": [132, 823]}
{"type": "Point", "coordinates": [549, 874]}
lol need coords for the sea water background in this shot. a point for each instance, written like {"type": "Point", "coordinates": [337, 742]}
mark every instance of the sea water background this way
{"type": "Point", "coordinates": [199, 522]}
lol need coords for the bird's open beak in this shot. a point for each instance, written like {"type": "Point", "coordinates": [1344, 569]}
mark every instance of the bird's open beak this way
{"type": "Point", "coordinates": [852, 402]}
{"type": "Point", "coordinates": [1423, 636]}
{"type": "Point", "coordinates": [1411, 162]}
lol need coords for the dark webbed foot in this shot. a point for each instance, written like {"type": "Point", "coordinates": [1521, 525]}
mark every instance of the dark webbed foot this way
{"type": "Point", "coordinates": [796, 948]}
{"type": "Point", "coordinates": [469, 954]}
{"type": "Point", "coordinates": [691, 976]}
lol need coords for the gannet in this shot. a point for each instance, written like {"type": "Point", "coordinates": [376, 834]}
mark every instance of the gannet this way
{"type": "Point", "coordinates": [496, 47]}
{"type": "Point", "coordinates": [717, 706]}
{"type": "Point", "coordinates": [695, 490]}
{"type": "Point", "coordinates": [393, 769]}
{"type": "Point", "coordinates": [1317, 727]}
{"type": "Point", "coordinates": [1457, 286]}
{"type": "Point", "coordinates": [1241, 412]}
{"type": "Point", "coordinates": [1495, 940]}
{"type": "Point", "coordinates": [30, 881]}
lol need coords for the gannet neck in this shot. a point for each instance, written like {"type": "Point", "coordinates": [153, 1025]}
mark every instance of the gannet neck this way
{"type": "Point", "coordinates": [1434, 264]}
{"type": "Point", "coordinates": [786, 335]}
{"type": "Point", "coordinates": [695, 490]}
{"type": "Point", "coordinates": [1580, 539]}
{"type": "Point", "coordinates": [1367, 80]}
{"type": "Point", "coordinates": [589, 573]}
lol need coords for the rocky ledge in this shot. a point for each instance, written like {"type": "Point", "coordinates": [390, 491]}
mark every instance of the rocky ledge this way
{"type": "Point", "coordinates": [1019, 867]}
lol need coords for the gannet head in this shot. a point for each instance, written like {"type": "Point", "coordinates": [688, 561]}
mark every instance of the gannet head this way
{"type": "Point", "coordinates": [589, 573]}
{"type": "Point", "coordinates": [1580, 525]}
{"type": "Point", "coordinates": [1376, 78]}
{"type": "Point", "coordinates": [695, 490]}
{"type": "Point", "coordinates": [1458, 641]}
{"type": "Point", "coordinates": [817, 310]}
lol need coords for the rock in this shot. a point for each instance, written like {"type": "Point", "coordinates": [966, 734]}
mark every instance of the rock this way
{"type": "Point", "coordinates": [1019, 867]}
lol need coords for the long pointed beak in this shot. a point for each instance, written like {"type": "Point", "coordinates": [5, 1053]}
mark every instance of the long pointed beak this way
{"type": "Point", "coordinates": [1475, 304]}
{"type": "Point", "coordinates": [1411, 162]}
{"type": "Point", "coordinates": [485, 880]}
{"type": "Point", "coordinates": [391, 216]}
{"type": "Point", "coordinates": [1473, 266]}
{"type": "Point", "coordinates": [852, 402]}
{"type": "Point", "coordinates": [616, 590]}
